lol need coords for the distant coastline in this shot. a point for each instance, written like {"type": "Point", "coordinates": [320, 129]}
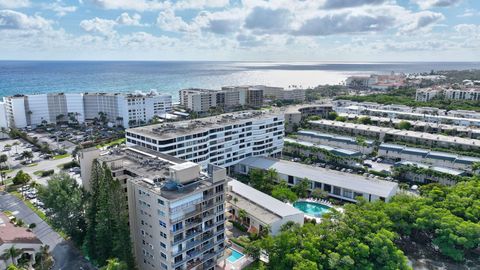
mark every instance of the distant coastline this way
{"type": "Point", "coordinates": [30, 77]}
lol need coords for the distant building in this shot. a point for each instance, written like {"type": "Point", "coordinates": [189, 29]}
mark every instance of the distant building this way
{"type": "Point", "coordinates": [202, 100]}
{"type": "Point", "coordinates": [377, 81]}
{"type": "Point", "coordinates": [339, 185]}
{"type": "Point", "coordinates": [438, 174]}
{"type": "Point", "coordinates": [334, 140]}
{"type": "Point", "coordinates": [427, 94]}
{"type": "Point", "coordinates": [463, 94]}
{"type": "Point", "coordinates": [295, 114]}
{"type": "Point", "coordinates": [263, 211]}
{"type": "Point", "coordinates": [118, 108]}
{"type": "Point", "coordinates": [280, 93]}
{"type": "Point", "coordinates": [221, 140]}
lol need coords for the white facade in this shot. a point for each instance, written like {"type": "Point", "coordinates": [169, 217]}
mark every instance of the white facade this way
{"type": "Point", "coordinates": [463, 94]}
{"type": "Point", "coordinates": [427, 94]}
{"type": "Point", "coordinates": [126, 109]}
{"type": "Point", "coordinates": [262, 209]}
{"type": "Point", "coordinates": [221, 140]}
{"type": "Point", "coordinates": [339, 185]}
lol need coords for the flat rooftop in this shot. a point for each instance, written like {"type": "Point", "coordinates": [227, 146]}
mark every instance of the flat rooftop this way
{"type": "Point", "coordinates": [151, 170]}
{"type": "Point", "coordinates": [333, 150]}
{"type": "Point", "coordinates": [405, 133]}
{"type": "Point", "coordinates": [173, 130]}
{"type": "Point", "coordinates": [353, 182]}
{"type": "Point", "coordinates": [260, 205]}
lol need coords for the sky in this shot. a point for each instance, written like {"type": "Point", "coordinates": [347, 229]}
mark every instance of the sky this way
{"type": "Point", "coordinates": [241, 30]}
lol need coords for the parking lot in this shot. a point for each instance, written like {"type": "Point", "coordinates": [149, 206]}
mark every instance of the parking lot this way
{"type": "Point", "coordinates": [37, 163]}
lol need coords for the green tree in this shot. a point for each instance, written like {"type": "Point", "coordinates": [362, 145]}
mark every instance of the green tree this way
{"type": "Point", "coordinates": [11, 254]}
{"type": "Point", "coordinates": [64, 200]}
{"type": "Point", "coordinates": [318, 193]}
{"type": "Point", "coordinates": [21, 178]}
{"type": "Point", "coordinates": [283, 193]}
{"type": "Point", "coordinates": [43, 259]}
{"type": "Point", "coordinates": [404, 125]}
{"type": "Point", "coordinates": [365, 120]}
{"type": "Point", "coordinates": [301, 188]}
{"type": "Point", "coordinates": [115, 264]}
{"type": "Point", "coordinates": [3, 159]}
{"type": "Point", "coordinates": [27, 155]}
{"type": "Point", "coordinates": [332, 115]}
{"type": "Point", "coordinates": [341, 118]}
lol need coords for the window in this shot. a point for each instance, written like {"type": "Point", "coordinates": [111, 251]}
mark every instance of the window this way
{"type": "Point", "coordinates": [336, 190]}
{"type": "Point", "coordinates": [177, 226]}
{"type": "Point", "coordinates": [327, 188]}
{"type": "Point", "coordinates": [161, 202]}
{"type": "Point", "coordinates": [163, 245]}
{"type": "Point", "coordinates": [162, 224]}
{"type": "Point", "coordinates": [291, 180]}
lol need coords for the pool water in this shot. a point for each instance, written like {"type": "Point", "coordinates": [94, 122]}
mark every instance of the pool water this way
{"type": "Point", "coordinates": [235, 256]}
{"type": "Point", "coordinates": [311, 208]}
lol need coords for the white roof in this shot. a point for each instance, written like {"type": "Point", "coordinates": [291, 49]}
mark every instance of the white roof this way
{"type": "Point", "coordinates": [331, 177]}
{"type": "Point", "coordinates": [271, 204]}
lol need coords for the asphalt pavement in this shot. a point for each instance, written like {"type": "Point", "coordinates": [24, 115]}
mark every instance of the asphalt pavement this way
{"type": "Point", "coordinates": [67, 256]}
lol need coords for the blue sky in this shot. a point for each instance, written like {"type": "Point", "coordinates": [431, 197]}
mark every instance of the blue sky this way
{"type": "Point", "coordinates": [250, 30]}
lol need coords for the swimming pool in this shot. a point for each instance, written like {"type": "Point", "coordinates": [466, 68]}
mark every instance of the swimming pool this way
{"type": "Point", "coordinates": [311, 208]}
{"type": "Point", "coordinates": [235, 256]}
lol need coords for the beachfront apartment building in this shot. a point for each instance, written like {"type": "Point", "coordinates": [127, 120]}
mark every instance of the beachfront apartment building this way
{"type": "Point", "coordinates": [427, 94]}
{"type": "Point", "coordinates": [229, 97]}
{"type": "Point", "coordinates": [124, 109]}
{"type": "Point", "coordinates": [176, 211]}
{"type": "Point", "coordinates": [222, 140]}
{"type": "Point", "coordinates": [337, 184]}
{"type": "Point", "coordinates": [377, 81]}
{"type": "Point", "coordinates": [263, 211]}
{"type": "Point", "coordinates": [280, 93]}
{"type": "Point", "coordinates": [463, 93]}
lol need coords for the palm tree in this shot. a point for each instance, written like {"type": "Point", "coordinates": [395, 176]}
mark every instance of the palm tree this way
{"type": "Point", "coordinates": [42, 257]}
{"type": "Point", "coordinates": [16, 144]}
{"type": "Point", "coordinates": [242, 215]}
{"type": "Point", "coordinates": [27, 154]}
{"type": "Point", "coordinates": [11, 254]}
{"type": "Point", "coordinates": [3, 174]}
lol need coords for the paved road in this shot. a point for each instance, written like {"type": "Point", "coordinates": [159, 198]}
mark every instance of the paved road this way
{"type": "Point", "coordinates": [67, 257]}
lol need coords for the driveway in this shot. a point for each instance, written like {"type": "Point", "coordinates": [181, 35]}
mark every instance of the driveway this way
{"type": "Point", "coordinates": [66, 255]}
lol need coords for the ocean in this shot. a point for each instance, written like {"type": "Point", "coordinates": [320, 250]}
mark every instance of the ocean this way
{"type": "Point", "coordinates": [30, 77]}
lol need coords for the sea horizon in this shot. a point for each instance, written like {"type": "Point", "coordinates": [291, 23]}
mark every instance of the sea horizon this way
{"type": "Point", "coordinates": [169, 76]}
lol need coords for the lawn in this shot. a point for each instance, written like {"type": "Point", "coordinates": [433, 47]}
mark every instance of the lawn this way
{"type": "Point", "coordinates": [38, 173]}
{"type": "Point", "coordinates": [32, 165]}
{"type": "Point", "coordinates": [115, 142]}
{"type": "Point", "coordinates": [7, 171]}
{"type": "Point", "coordinates": [61, 156]}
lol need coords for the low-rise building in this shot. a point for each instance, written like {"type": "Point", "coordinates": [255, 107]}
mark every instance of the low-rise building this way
{"type": "Point", "coordinates": [392, 134]}
{"type": "Point", "coordinates": [333, 140]}
{"type": "Point", "coordinates": [18, 237]}
{"type": "Point", "coordinates": [425, 174]}
{"type": "Point", "coordinates": [337, 184]}
{"type": "Point", "coordinates": [377, 81]}
{"type": "Point", "coordinates": [432, 158]}
{"type": "Point", "coordinates": [263, 211]}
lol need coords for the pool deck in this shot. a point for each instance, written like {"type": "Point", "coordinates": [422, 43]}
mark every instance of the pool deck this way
{"type": "Point", "coordinates": [318, 201]}
{"type": "Point", "coordinates": [225, 264]}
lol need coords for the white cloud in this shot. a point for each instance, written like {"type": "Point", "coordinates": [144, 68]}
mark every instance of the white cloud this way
{"type": "Point", "coordinates": [138, 5]}
{"type": "Point", "coordinates": [201, 4]}
{"type": "Point", "coordinates": [168, 21]}
{"type": "Point", "coordinates": [99, 26]}
{"type": "Point", "coordinates": [60, 9]}
{"type": "Point", "coordinates": [13, 20]}
{"type": "Point", "coordinates": [425, 4]}
{"type": "Point", "coordinates": [422, 20]}
{"type": "Point", "coordinates": [14, 3]}
{"type": "Point", "coordinates": [334, 4]}
{"type": "Point", "coordinates": [469, 12]}
{"type": "Point", "coordinates": [270, 20]}
{"type": "Point", "coordinates": [125, 19]}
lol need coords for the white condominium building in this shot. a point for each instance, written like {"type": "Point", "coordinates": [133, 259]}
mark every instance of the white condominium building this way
{"type": "Point", "coordinates": [176, 211]}
{"type": "Point", "coordinates": [463, 94]}
{"type": "Point", "coordinates": [221, 140]}
{"type": "Point", "coordinates": [119, 109]}
{"type": "Point", "coordinates": [280, 93]}
{"type": "Point", "coordinates": [202, 100]}
{"type": "Point", "coordinates": [427, 94]}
